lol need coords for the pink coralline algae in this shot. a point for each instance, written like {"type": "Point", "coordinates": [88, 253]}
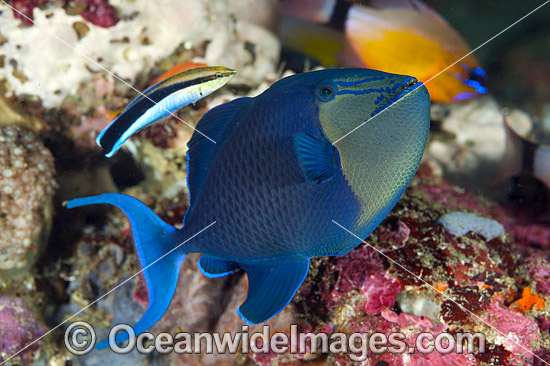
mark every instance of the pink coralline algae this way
{"type": "Point", "coordinates": [99, 12]}
{"type": "Point", "coordinates": [85, 133]}
{"type": "Point", "coordinates": [24, 9]}
{"type": "Point", "coordinates": [398, 236]}
{"type": "Point", "coordinates": [540, 271]}
{"type": "Point", "coordinates": [521, 332]}
{"type": "Point", "coordinates": [379, 291]}
{"type": "Point", "coordinates": [361, 270]}
{"type": "Point", "coordinates": [410, 326]}
{"type": "Point", "coordinates": [413, 326]}
{"type": "Point", "coordinates": [18, 328]}
{"type": "Point", "coordinates": [140, 294]}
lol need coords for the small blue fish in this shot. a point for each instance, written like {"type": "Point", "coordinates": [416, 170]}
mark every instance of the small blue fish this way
{"type": "Point", "coordinates": [161, 100]}
{"type": "Point", "coordinates": [285, 166]}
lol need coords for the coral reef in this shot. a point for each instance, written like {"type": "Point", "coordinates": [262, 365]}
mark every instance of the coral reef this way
{"type": "Point", "coordinates": [412, 275]}
{"type": "Point", "coordinates": [468, 138]}
{"type": "Point", "coordinates": [445, 260]}
{"type": "Point", "coordinates": [145, 34]}
{"type": "Point", "coordinates": [18, 327]}
{"type": "Point", "coordinates": [26, 209]}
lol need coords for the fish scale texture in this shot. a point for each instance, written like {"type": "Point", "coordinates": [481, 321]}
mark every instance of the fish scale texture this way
{"type": "Point", "coordinates": [257, 193]}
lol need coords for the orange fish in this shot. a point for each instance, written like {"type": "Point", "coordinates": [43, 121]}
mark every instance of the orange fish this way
{"type": "Point", "coordinates": [397, 36]}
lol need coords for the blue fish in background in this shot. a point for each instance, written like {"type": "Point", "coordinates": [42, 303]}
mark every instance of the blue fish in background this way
{"type": "Point", "coordinates": [283, 169]}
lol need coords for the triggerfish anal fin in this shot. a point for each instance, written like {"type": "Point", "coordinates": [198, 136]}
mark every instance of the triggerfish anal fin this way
{"type": "Point", "coordinates": [318, 158]}
{"type": "Point", "coordinates": [271, 287]}
{"type": "Point", "coordinates": [159, 101]}
{"type": "Point", "coordinates": [212, 267]}
{"type": "Point", "coordinates": [153, 239]}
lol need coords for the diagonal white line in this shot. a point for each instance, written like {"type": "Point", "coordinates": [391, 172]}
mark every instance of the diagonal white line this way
{"type": "Point", "coordinates": [358, 127]}
{"type": "Point", "coordinates": [101, 67]}
{"type": "Point", "coordinates": [444, 295]}
{"type": "Point", "coordinates": [101, 297]}
{"type": "Point", "coordinates": [487, 41]}
{"type": "Point", "coordinates": [451, 65]}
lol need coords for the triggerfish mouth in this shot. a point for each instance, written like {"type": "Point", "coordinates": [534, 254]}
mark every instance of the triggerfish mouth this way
{"type": "Point", "coordinates": [284, 169]}
{"type": "Point", "coordinates": [161, 100]}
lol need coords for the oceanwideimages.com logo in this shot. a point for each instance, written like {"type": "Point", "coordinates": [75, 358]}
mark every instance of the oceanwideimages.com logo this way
{"type": "Point", "coordinates": [80, 339]}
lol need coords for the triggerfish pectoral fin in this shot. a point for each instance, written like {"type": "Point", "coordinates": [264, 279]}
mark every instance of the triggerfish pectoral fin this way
{"type": "Point", "coordinates": [318, 157]}
{"type": "Point", "coordinates": [161, 100]}
{"type": "Point", "coordinates": [271, 287]}
{"type": "Point", "coordinates": [155, 247]}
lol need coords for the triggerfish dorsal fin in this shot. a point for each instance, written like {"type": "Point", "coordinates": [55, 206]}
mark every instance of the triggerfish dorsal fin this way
{"type": "Point", "coordinates": [155, 245]}
{"type": "Point", "coordinates": [202, 151]}
{"type": "Point", "coordinates": [160, 101]}
{"type": "Point", "coordinates": [319, 159]}
{"type": "Point", "coordinates": [271, 286]}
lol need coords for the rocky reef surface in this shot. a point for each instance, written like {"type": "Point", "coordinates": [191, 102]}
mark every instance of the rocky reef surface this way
{"type": "Point", "coordinates": [444, 260]}
{"type": "Point", "coordinates": [26, 208]}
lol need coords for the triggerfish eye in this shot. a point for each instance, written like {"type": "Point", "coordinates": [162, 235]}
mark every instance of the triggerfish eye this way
{"type": "Point", "coordinates": [325, 93]}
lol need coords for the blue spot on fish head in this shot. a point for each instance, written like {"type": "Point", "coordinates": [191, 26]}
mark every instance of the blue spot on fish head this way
{"type": "Point", "coordinates": [475, 78]}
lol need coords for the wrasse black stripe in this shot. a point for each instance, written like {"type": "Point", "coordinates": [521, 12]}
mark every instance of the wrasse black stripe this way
{"type": "Point", "coordinates": [141, 105]}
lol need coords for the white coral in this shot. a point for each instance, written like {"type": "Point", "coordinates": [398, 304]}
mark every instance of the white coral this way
{"type": "Point", "coordinates": [147, 32]}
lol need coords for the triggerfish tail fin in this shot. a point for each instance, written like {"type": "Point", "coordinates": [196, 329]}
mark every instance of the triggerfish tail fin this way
{"type": "Point", "coordinates": [157, 250]}
{"type": "Point", "coordinates": [271, 287]}
{"type": "Point", "coordinates": [160, 101]}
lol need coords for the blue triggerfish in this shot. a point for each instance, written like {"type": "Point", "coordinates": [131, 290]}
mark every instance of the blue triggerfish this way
{"type": "Point", "coordinates": [161, 100]}
{"type": "Point", "coordinates": [285, 167]}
